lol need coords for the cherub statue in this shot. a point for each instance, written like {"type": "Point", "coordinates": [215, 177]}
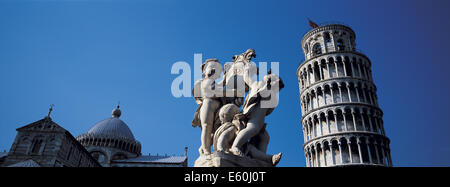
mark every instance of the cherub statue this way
{"type": "Point", "coordinates": [259, 103]}
{"type": "Point", "coordinates": [210, 100]}
{"type": "Point", "coordinates": [233, 74]}
{"type": "Point", "coordinates": [232, 122]}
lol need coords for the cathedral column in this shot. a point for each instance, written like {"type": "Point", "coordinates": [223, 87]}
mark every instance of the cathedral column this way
{"type": "Point", "coordinates": [350, 151]}
{"type": "Point", "coordinates": [328, 69]}
{"type": "Point", "coordinates": [309, 129]}
{"type": "Point", "coordinates": [314, 73]}
{"type": "Point", "coordinates": [302, 77]}
{"type": "Point", "coordinates": [307, 159]}
{"type": "Point", "coordinates": [332, 95]}
{"type": "Point", "coordinates": [354, 119]}
{"type": "Point", "coordinates": [308, 76]}
{"type": "Point", "coordinates": [365, 71]}
{"type": "Point", "coordinates": [320, 125]}
{"type": "Point", "coordinates": [370, 121]}
{"type": "Point", "coordinates": [313, 125]}
{"type": "Point", "coordinates": [343, 67]}
{"type": "Point", "coordinates": [345, 121]}
{"type": "Point", "coordinates": [359, 150]}
{"type": "Point", "coordinates": [389, 157]}
{"type": "Point", "coordinates": [349, 93]}
{"type": "Point", "coordinates": [383, 154]}
{"type": "Point", "coordinates": [305, 80]}
{"type": "Point", "coordinates": [332, 153]}
{"type": "Point", "coordinates": [320, 71]}
{"type": "Point", "coordinates": [308, 105]}
{"type": "Point", "coordinates": [368, 151]}
{"type": "Point", "coordinates": [375, 145]}
{"type": "Point", "coordinates": [317, 156]}
{"type": "Point", "coordinates": [351, 65]}
{"type": "Point", "coordinates": [377, 127]}
{"type": "Point", "coordinates": [304, 105]}
{"type": "Point", "coordinates": [317, 98]}
{"type": "Point", "coordinates": [336, 67]}
{"type": "Point", "coordinates": [328, 123]}
{"type": "Point", "coordinates": [362, 119]}
{"type": "Point", "coordinates": [357, 93]}
{"type": "Point", "coordinates": [340, 152]}
{"type": "Point", "coordinates": [323, 155]}
{"type": "Point", "coordinates": [304, 132]}
{"type": "Point", "coordinates": [335, 121]}
{"type": "Point", "coordinates": [370, 97]}
{"type": "Point", "coordinates": [340, 93]}
{"type": "Point", "coordinates": [324, 95]}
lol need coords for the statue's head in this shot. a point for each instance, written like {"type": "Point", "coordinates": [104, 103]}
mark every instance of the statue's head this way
{"type": "Point", "coordinates": [246, 56]}
{"type": "Point", "coordinates": [227, 112]}
{"type": "Point", "coordinates": [249, 54]}
{"type": "Point", "coordinates": [211, 68]}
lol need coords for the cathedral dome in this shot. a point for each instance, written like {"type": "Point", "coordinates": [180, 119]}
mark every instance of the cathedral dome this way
{"type": "Point", "coordinates": [111, 132]}
{"type": "Point", "coordinates": [113, 128]}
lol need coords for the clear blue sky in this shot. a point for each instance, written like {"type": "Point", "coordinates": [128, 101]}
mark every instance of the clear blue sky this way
{"type": "Point", "coordinates": [84, 56]}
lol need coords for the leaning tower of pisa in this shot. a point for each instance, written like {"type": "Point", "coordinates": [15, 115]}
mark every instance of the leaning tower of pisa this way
{"type": "Point", "coordinates": [342, 122]}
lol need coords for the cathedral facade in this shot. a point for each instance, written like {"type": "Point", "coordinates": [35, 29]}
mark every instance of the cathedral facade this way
{"type": "Point", "coordinates": [46, 144]}
{"type": "Point", "coordinates": [109, 143]}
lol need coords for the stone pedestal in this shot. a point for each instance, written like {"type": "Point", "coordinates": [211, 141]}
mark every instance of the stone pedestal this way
{"type": "Point", "coordinates": [220, 159]}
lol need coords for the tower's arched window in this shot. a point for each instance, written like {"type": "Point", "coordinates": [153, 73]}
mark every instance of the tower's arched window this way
{"type": "Point", "coordinates": [317, 49]}
{"type": "Point", "coordinates": [340, 45]}
{"type": "Point", "coordinates": [326, 37]}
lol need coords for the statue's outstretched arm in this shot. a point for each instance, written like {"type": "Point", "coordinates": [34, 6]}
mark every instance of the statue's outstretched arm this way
{"type": "Point", "coordinates": [248, 79]}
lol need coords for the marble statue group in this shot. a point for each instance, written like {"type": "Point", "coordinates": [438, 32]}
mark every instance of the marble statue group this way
{"type": "Point", "coordinates": [238, 136]}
